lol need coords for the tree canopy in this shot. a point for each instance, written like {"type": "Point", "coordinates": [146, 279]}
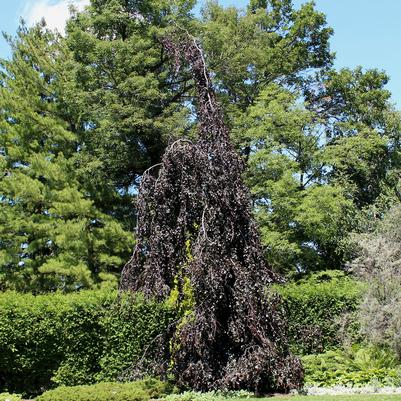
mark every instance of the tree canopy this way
{"type": "Point", "coordinates": [53, 233]}
{"type": "Point", "coordinates": [85, 114]}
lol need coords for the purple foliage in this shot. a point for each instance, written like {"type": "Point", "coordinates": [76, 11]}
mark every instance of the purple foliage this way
{"type": "Point", "coordinates": [235, 336]}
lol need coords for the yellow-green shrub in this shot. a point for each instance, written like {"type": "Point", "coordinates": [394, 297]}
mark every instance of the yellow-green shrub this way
{"type": "Point", "coordinates": [355, 366]}
{"type": "Point", "coordinates": [142, 390]}
{"type": "Point", "coordinates": [10, 397]}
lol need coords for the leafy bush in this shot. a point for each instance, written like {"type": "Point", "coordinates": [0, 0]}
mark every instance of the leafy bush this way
{"type": "Point", "coordinates": [142, 390]}
{"type": "Point", "coordinates": [315, 306]}
{"type": "Point", "coordinates": [129, 328]}
{"type": "Point", "coordinates": [379, 264]}
{"type": "Point", "coordinates": [72, 339]}
{"type": "Point", "coordinates": [10, 397]}
{"type": "Point", "coordinates": [355, 366]}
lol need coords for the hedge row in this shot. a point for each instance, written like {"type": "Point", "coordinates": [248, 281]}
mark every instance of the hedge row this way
{"type": "Point", "coordinates": [321, 311]}
{"type": "Point", "coordinates": [73, 339]}
{"type": "Point", "coordinates": [88, 337]}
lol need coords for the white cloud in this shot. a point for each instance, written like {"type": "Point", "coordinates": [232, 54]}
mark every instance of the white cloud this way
{"type": "Point", "coordinates": [54, 12]}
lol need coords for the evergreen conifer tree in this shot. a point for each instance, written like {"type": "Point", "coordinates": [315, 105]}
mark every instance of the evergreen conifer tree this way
{"type": "Point", "coordinates": [52, 235]}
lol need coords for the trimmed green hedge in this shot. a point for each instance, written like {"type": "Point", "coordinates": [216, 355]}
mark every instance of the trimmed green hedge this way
{"type": "Point", "coordinates": [88, 337]}
{"type": "Point", "coordinates": [142, 390]}
{"type": "Point", "coordinates": [315, 306]}
{"type": "Point", "coordinates": [72, 339]}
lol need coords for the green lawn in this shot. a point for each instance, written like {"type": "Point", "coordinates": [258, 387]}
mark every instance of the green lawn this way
{"type": "Point", "coordinates": [357, 397]}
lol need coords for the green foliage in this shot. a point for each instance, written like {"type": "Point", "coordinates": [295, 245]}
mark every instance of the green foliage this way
{"type": "Point", "coordinates": [143, 390]}
{"type": "Point", "coordinates": [315, 306]}
{"type": "Point", "coordinates": [279, 138]}
{"type": "Point", "coordinates": [124, 89]}
{"type": "Point", "coordinates": [319, 147]}
{"type": "Point", "coordinates": [10, 397]}
{"type": "Point", "coordinates": [73, 339]}
{"type": "Point", "coordinates": [130, 327]}
{"type": "Point", "coordinates": [181, 296]}
{"type": "Point", "coordinates": [181, 300]}
{"type": "Point", "coordinates": [89, 337]}
{"type": "Point", "coordinates": [378, 263]}
{"type": "Point", "coordinates": [355, 366]}
{"type": "Point", "coordinates": [83, 116]}
{"type": "Point", "coordinates": [314, 166]}
{"type": "Point", "coordinates": [53, 235]}
{"type": "Point", "coordinates": [209, 396]}
{"type": "Point", "coordinates": [271, 42]}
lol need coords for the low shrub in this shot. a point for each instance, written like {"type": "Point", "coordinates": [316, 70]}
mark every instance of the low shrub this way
{"type": "Point", "coordinates": [142, 390]}
{"type": "Point", "coordinates": [315, 307]}
{"type": "Point", "coordinates": [378, 263]}
{"type": "Point", "coordinates": [356, 366]}
{"type": "Point", "coordinates": [208, 396]}
{"type": "Point", "coordinates": [10, 397]}
{"type": "Point", "coordinates": [72, 339]}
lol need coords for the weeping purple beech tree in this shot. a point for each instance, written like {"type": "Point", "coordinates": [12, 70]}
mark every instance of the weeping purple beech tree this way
{"type": "Point", "coordinates": [199, 248]}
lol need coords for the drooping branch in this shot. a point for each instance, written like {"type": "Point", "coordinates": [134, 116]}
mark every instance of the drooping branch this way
{"type": "Point", "coordinates": [198, 245]}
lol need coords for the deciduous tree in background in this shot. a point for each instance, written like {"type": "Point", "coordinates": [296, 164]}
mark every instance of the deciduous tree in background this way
{"type": "Point", "coordinates": [320, 145]}
{"type": "Point", "coordinates": [316, 165]}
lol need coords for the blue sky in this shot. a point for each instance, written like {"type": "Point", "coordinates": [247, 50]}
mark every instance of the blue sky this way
{"type": "Point", "coordinates": [366, 32]}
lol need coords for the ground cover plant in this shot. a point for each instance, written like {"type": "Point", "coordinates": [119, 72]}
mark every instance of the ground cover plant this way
{"type": "Point", "coordinates": [356, 397]}
{"type": "Point", "coordinates": [137, 392]}
{"type": "Point", "coordinates": [10, 397]}
{"type": "Point", "coordinates": [243, 395]}
{"type": "Point", "coordinates": [133, 391]}
{"type": "Point", "coordinates": [356, 366]}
